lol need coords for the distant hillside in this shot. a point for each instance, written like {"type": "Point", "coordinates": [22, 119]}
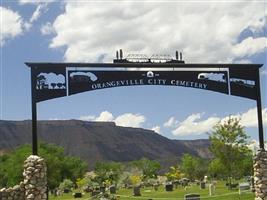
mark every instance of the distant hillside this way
{"type": "Point", "coordinates": [98, 141]}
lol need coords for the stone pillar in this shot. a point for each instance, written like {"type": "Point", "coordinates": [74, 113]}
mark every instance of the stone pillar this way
{"type": "Point", "coordinates": [260, 175]}
{"type": "Point", "coordinates": [35, 179]}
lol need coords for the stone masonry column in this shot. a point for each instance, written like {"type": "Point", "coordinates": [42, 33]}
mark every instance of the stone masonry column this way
{"type": "Point", "coordinates": [35, 179]}
{"type": "Point", "coordinates": [260, 175]}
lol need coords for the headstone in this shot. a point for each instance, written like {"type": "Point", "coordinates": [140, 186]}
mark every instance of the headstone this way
{"type": "Point", "coordinates": [88, 189]}
{"type": "Point", "coordinates": [192, 197]}
{"type": "Point", "coordinates": [66, 190]}
{"type": "Point", "coordinates": [233, 186]}
{"type": "Point", "coordinates": [184, 183]}
{"type": "Point", "coordinates": [243, 187]}
{"type": "Point", "coordinates": [102, 189]}
{"type": "Point", "coordinates": [211, 189]}
{"type": "Point", "coordinates": [136, 191]}
{"type": "Point", "coordinates": [77, 195]}
{"type": "Point", "coordinates": [95, 192]}
{"type": "Point", "coordinates": [169, 187]}
{"type": "Point", "coordinates": [156, 187]}
{"type": "Point", "coordinates": [176, 183]}
{"type": "Point", "coordinates": [112, 189]}
{"type": "Point", "coordinates": [202, 185]}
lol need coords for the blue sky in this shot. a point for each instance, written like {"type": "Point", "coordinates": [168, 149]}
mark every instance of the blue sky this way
{"type": "Point", "coordinates": [90, 31]}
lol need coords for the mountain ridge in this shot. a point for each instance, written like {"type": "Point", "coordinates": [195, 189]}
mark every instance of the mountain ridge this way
{"type": "Point", "coordinates": [101, 141]}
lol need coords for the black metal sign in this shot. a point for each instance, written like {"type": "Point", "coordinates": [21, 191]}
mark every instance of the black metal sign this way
{"type": "Point", "coordinates": [80, 81]}
{"type": "Point", "coordinates": [53, 80]}
{"type": "Point", "coordinates": [52, 83]}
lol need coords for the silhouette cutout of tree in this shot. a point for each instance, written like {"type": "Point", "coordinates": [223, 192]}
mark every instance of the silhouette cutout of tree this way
{"type": "Point", "coordinates": [59, 85]}
{"type": "Point", "coordinates": [53, 85]}
{"type": "Point", "coordinates": [40, 81]}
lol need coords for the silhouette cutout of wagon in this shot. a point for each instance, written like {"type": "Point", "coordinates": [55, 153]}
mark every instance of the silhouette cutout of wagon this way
{"type": "Point", "coordinates": [82, 76]}
{"type": "Point", "coordinates": [243, 82]}
{"type": "Point", "coordinates": [220, 77]}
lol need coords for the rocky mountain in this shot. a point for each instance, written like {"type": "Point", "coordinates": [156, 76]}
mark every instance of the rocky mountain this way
{"type": "Point", "coordinates": [97, 141]}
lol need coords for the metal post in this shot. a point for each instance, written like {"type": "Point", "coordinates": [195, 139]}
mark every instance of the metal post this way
{"type": "Point", "coordinates": [259, 110]}
{"type": "Point", "coordinates": [34, 114]}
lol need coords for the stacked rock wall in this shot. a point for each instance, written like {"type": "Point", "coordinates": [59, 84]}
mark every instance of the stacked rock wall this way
{"type": "Point", "coordinates": [34, 186]}
{"type": "Point", "coordinates": [260, 175]}
{"type": "Point", "coordinates": [17, 192]}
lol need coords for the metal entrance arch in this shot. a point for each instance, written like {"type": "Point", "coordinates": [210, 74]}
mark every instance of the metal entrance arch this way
{"type": "Point", "coordinates": [53, 80]}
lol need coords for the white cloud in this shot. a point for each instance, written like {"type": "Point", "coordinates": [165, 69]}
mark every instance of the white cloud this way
{"type": "Point", "coordinates": [206, 32]}
{"type": "Point", "coordinates": [193, 125]}
{"type": "Point", "coordinates": [250, 118]}
{"type": "Point", "coordinates": [170, 123]}
{"type": "Point", "coordinates": [157, 129]}
{"type": "Point", "coordinates": [37, 13]}
{"type": "Point", "coordinates": [47, 29]}
{"type": "Point", "coordinates": [196, 125]}
{"type": "Point", "coordinates": [258, 26]}
{"type": "Point", "coordinates": [35, 1]}
{"type": "Point", "coordinates": [105, 116]}
{"type": "Point", "coordinates": [250, 46]}
{"type": "Point", "coordinates": [126, 119]}
{"type": "Point", "coordinates": [87, 118]}
{"type": "Point", "coordinates": [11, 24]}
{"type": "Point", "coordinates": [130, 120]}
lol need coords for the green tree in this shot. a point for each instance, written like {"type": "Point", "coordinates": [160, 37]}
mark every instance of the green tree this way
{"type": "Point", "coordinates": [66, 184]}
{"type": "Point", "coordinates": [148, 167]}
{"type": "Point", "coordinates": [194, 167]}
{"type": "Point", "coordinates": [216, 169]}
{"type": "Point", "coordinates": [135, 180]}
{"type": "Point", "coordinates": [73, 168]}
{"type": "Point", "coordinates": [229, 147]}
{"type": "Point", "coordinates": [11, 166]}
{"type": "Point", "coordinates": [189, 165]}
{"type": "Point", "coordinates": [108, 172]}
{"type": "Point", "coordinates": [201, 168]}
{"type": "Point", "coordinates": [174, 173]}
{"type": "Point", "coordinates": [59, 166]}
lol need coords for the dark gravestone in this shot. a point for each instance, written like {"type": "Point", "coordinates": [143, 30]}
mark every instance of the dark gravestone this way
{"type": "Point", "coordinates": [66, 191]}
{"type": "Point", "coordinates": [169, 187]}
{"type": "Point", "coordinates": [112, 189]}
{"type": "Point", "coordinates": [202, 185]}
{"type": "Point", "coordinates": [88, 189]}
{"type": "Point", "coordinates": [136, 191]}
{"type": "Point", "coordinates": [176, 183]}
{"type": "Point", "coordinates": [77, 195]}
{"type": "Point", "coordinates": [233, 186]}
{"type": "Point", "coordinates": [184, 183]}
{"type": "Point", "coordinates": [192, 197]}
{"type": "Point", "coordinates": [102, 189]}
{"type": "Point", "coordinates": [156, 187]}
{"type": "Point", "coordinates": [95, 192]}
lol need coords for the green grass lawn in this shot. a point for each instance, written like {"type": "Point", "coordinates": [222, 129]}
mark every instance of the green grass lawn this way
{"type": "Point", "coordinates": [221, 193]}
